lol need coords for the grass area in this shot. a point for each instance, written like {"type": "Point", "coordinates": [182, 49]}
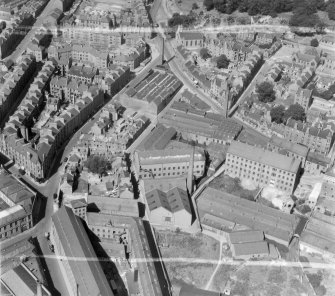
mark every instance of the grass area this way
{"type": "Point", "coordinates": [264, 280]}
{"type": "Point", "coordinates": [221, 277]}
{"type": "Point", "coordinates": [196, 274]}
{"type": "Point", "coordinates": [233, 186]}
{"type": "Point", "coordinates": [186, 5]}
{"type": "Point", "coordinates": [184, 245]}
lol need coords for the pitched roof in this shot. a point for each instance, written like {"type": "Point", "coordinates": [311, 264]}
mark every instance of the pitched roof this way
{"type": "Point", "coordinates": [250, 248]}
{"type": "Point", "coordinates": [191, 35]}
{"type": "Point", "coordinates": [264, 156]}
{"type": "Point", "coordinates": [88, 273]}
{"type": "Point", "coordinates": [238, 237]}
{"type": "Point", "coordinates": [249, 213]}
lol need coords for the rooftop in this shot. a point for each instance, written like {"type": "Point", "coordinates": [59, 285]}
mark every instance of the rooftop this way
{"type": "Point", "coordinates": [285, 144]}
{"type": "Point", "coordinates": [88, 274]}
{"type": "Point", "coordinates": [168, 156]}
{"type": "Point", "coordinates": [250, 248]}
{"type": "Point", "coordinates": [264, 156]}
{"type": "Point", "coordinates": [22, 282]}
{"type": "Point", "coordinates": [173, 200]}
{"type": "Point", "coordinates": [238, 237]}
{"type": "Point", "coordinates": [110, 205]}
{"type": "Point", "coordinates": [251, 214]}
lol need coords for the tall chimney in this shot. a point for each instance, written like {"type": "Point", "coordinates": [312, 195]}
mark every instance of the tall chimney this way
{"type": "Point", "coordinates": [163, 47]}
{"type": "Point", "coordinates": [190, 183]}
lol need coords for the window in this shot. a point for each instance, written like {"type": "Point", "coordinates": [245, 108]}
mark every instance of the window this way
{"type": "Point", "coordinates": [167, 219]}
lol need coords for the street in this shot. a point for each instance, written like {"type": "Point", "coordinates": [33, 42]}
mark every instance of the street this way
{"type": "Point", "coordinates": [53, 4]}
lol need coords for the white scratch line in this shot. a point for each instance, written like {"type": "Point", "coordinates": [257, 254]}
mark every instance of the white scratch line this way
{"type": "Point", "coordinates": [200, 261]}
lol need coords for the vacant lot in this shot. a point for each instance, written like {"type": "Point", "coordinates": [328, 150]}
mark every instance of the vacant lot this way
{"type": "Point", "coordinates": [184, 245]}
{"type": "Point", "coordinates": [233, 186]}
{"type": "Point", "coordinates": [193, 257]}
{"type": "Point", "coordinates": [266, 280]}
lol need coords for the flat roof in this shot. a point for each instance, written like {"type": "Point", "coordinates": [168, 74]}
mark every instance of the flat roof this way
{"type": "Point", "coordinates": [88, 273]}
{"type": "Point", "coordinates": [109, 205]}
{"type": "Point", "coordinates": [165, 184]}
{"type": "Point", "coordinates": [249, 213]}
{"type": "Point", "coordinates": [263, 156]}
{"type": "Point", "coordinates": [168, 156]}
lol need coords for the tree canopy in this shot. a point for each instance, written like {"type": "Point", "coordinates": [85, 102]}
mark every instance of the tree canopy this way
{"type": "Point", "coordinates": [222, 62]}
{"type": "Point", "coordinates": [295, 112]}
{"type": "Point", "coordinates": [185, 20]}
{"type": "Point", "coordinates": [265, 92]}
{"type": "Point", "coordinates": [277, 114]}
{"type": "Point", "coordinates": [302, 8]}
{"type": "Point", "coordinates": [96, 164]}
{"type": "Point", "coordinates": [253, 7]}
{"type": "Point", "coordinates": [314, 42]}
{"type": "Point", "coordinates": [204, 53]}
{"type": "Point", "coordinates": [304, 13]}
{"type": "Point", "coordinates": [330, 8]}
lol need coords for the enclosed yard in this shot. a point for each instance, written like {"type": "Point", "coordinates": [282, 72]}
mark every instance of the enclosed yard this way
{"type": "Point", "coordinates": [233, 186]}
{"type": "Point", "coordinates": [189, 258]}
{"type": "Point", "coordinates": [264, 281]}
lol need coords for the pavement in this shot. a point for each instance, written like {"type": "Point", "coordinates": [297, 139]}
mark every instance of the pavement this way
{"type": "Point", "coordinates": [37, 25]}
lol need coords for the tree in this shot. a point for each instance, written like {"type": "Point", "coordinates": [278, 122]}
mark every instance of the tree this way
{"type": "Point", "coordinates": [96, 164]}
{"type": "Point", "coordinates": [330, 8]}
{"type": "Point", "coordinates": [204, 53]}
{"type": "Point", "coordinates": [222, 62]}
{"type": "Point", "coordinates": [277, 114]}
{"type": "Point", "coordinates": [314, 42]}
{"type": "Point", "coordinates": [315, 279]}
{"type": "Point", "coordinates": [209, 4]}
{"type": "Point", "coordinates": [195, 6]}
{"type": "Point", "coordinates": [295, 112]}
{"type": "Point", "coordinates": [265, 92]}
{"type": "Point", "coordinates": [2, 25]}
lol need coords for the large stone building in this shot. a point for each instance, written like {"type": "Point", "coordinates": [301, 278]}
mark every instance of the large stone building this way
{"type": "Point", "coordinates": [16, 205]}
{"type": "Point", "coordinates": [262, 166]}
{"type": "Point", "coordinates": [69, 238]}
{"type": "Point", "coordinates": [154, 92]}
{"type": "Point", "coordinates": [219, 212]}
{"type": "Point", "coordinates": [169, 209]}
{"type": "Point", "coordinates": [189, 40]}
{"type": "Point", "coordinates": [202, 127]}
{"type": "Point", "coordinates": [168, 163]}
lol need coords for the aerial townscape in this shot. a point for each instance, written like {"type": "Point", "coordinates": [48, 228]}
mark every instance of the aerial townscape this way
{"type": "Point", "coordinates": [167, 147]}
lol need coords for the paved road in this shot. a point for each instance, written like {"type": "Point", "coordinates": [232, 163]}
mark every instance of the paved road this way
{"type": "Point", "coordinates": [248, 91]}
{"type": "Point", "coordinates": [179, 70]}
{"type": "Point", "coordinates": [37, 25]}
